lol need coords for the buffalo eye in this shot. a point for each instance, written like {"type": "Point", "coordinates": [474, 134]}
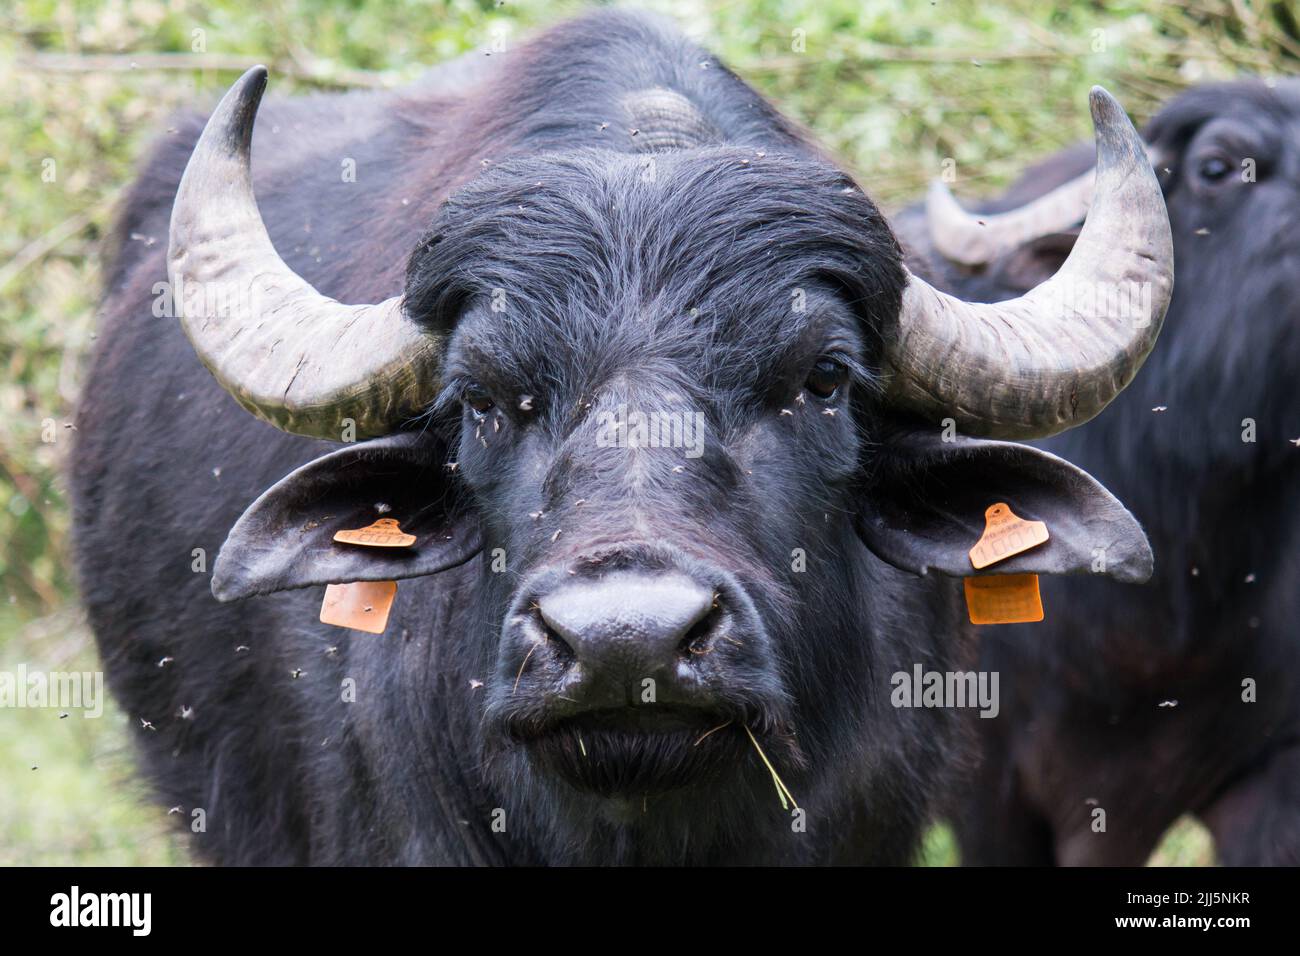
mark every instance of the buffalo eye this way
{"type": "Point", "coordinates": [826, 378]}
{"type": "Point", "coordinates": [478, 399]}
{"type": "Point", "coordinates": [1213, 169]}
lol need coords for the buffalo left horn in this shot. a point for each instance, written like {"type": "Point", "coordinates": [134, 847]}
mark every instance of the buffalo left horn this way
{"type": "Point", "coordinates": [973, 240]}
{"type": "Point", "coordinates": [1052, 359]}
{"type": "Point", "coordinates": [293, 357]}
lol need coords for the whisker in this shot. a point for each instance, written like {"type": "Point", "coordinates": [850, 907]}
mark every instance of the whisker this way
{"type": "Point", "coordinates": [522, 665]}
{"type": "Point", "coordinates": [707, 732]}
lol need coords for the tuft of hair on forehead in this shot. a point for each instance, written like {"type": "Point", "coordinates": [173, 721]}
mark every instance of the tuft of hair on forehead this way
{"type": "Point", "coordinates": [593, 249]}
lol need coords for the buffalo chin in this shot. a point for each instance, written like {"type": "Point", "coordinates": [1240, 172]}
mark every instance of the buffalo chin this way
{"type": "Point", "coordinates": [619, 759]}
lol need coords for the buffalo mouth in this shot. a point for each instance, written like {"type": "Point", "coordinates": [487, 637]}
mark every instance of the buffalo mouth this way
{"type": "Point", "coordinates": [637, 751]}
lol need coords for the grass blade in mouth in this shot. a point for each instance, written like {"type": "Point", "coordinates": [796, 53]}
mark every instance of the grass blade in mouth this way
{"type": "Point", "coordinates": [782, 791]}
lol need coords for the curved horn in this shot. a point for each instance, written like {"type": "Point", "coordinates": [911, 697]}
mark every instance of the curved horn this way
{"type": "Point", "coordinates": [1055, 357]}
{"type": "Point", "coordinates": [291, 356]}
{"type": "Point", "coordinates": [972, 240]}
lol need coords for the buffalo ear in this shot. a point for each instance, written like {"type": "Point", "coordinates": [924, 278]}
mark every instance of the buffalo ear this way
{"type": "Point", "coordinates": [924, 508]}
{"type": "Point", "coordinates": [285, 539]}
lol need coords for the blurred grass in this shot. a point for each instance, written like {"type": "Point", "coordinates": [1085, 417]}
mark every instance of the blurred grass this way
{"type": "Point", "coordinates": [894, 89]}
{"type": "Point", "coordinates": [67, 794]}
{"type": "Point", "coordinates": [1186, 843]}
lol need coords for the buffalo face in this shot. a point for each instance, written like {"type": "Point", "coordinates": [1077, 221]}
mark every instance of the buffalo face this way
{"type": "Point", "coordinates": [656, 381]}
{"type": "Point", "coordinates": [1228, 157]}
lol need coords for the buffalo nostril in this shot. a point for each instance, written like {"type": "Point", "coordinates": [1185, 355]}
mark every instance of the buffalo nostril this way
{"type": "Point", "coordinates": [699, 639]}
{"type": "Point", "coordinates": [561, 648]}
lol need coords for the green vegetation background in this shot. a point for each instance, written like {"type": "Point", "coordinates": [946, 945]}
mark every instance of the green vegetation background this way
{"type": "Point", "coordinates": [893, 86]}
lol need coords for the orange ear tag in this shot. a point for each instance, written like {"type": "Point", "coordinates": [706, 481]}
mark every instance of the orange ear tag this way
{"type": "Point", "coordinates": [362, 605]}
{"type": "Point", "coordinates": [1003, 599]}
{"type": "Point", "coordinates": [384, 533]}
{"type": "Point", "coordinates": [1005, 535]}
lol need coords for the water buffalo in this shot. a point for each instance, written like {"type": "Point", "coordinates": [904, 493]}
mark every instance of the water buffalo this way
{"type": "Point", "coordinates": [604, 646]}
{"type": "Point", "coordinates": [1182, 696]}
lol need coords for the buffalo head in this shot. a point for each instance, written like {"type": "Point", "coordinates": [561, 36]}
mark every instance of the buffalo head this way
{"type": "Point", "coordinates": [664, 399]}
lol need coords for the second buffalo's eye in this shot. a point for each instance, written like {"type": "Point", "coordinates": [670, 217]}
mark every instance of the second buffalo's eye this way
{"type": "Point", "coordinates": [478, 399]}
{"type": "Point", "coordinates": [826, 378]}
{"type": "Point", "coordinates": [1213, 168]}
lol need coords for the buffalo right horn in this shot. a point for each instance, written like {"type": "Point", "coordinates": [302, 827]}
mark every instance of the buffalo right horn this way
{"type": "Point", "coordinates": [290, 355]}
{"type": "Point", "coordinates": [1053, 358]}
